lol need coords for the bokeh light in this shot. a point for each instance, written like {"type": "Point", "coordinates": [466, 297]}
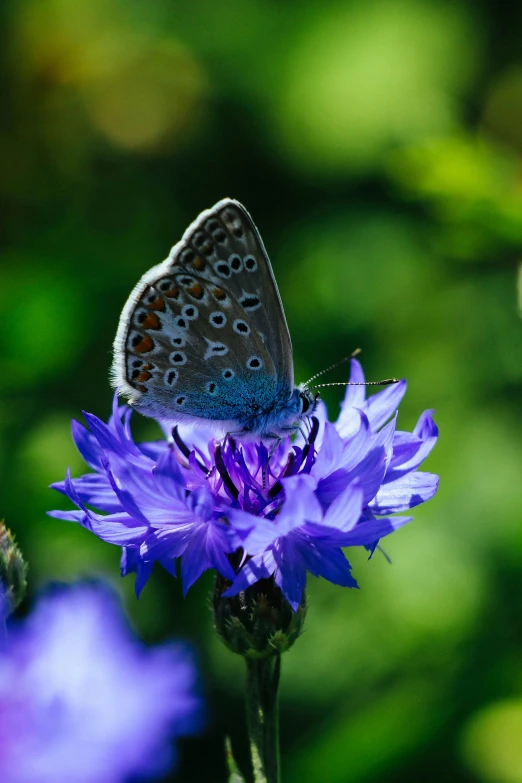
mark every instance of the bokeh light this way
{"type": "Point", "coordinates": [364, 76]}
{"type": "Point", "coordinates": [491, 742]}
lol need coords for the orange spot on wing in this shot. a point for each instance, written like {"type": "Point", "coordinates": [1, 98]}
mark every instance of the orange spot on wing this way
{"type": "Point", "coordinates": [151, 322]}
{"type": "Point", "coordinates": [144, 376]}
{"type": "Point", "coordinates": [219, 294]}
{"type": "Point", "coordinates": [172, 293]}
{"type": "Point", "coordinates": [147, 344]}
{"type": "Point", "coordinates": [158, 304]}
{"type": "Point", "coordinates": [198, 263]}
{"type": "Point", "coordinates": [196, 291]}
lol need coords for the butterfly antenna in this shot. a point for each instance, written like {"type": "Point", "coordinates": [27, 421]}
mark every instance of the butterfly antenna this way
{"type": "Point", "coordinates": [332, 366]}
{"type": "Point", "coordinates": [385, 382]}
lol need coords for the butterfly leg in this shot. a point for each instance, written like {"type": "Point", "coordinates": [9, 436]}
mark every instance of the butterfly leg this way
{"type": "Point", "coordinates": [293, 429]}
{"type": "Point", "coordinates": [277, 440]}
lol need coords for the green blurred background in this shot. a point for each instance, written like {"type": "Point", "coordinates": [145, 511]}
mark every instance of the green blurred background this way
{"type": "Point", "coordinates": [378, 145]}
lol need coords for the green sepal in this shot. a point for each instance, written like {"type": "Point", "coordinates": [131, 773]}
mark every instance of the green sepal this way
{"type": "Point", "coordinates": [13, 569]}
{"type": "Point", "coordinates": [258, 622]}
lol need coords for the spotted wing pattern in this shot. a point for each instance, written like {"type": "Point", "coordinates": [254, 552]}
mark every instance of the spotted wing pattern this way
{"type": "Point", "coordinates": [204, 334]}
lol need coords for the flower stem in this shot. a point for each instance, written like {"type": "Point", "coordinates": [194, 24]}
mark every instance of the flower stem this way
{"type": "Point", "coordinates": [262, 716]}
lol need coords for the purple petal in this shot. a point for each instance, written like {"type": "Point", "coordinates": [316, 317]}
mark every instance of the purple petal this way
{"type": "Point", "coordinates": [201, 503]}
{"type": "Point", "coordinates": [143, 571]}
{"type": "Point", "coordinates": [241, 521]}
{"type": "Point", "coordinates": [169, 564]}
{"type": "Point", "coordinates": [381, 406]}
{"type": "Point", "coordinates": [345, 510]}
{"type": "Point", "coordinates": [201, 553]}
{"type": "Point", "coordinates": [68, 516]}
{"type": "Point", "coordinates": [126, 500]}
{"type": "Point", "coordinates": [355, 395]}
{"type": "Point", "coordinates": [123, 434]}
{"type": "Point", "coordinates": [407, 492]}
{"type": "Point", "coordinates": [114, 528]}
{"type": "Point", "coordinates": [260, 566]}
{"type": "Point", "coordinates": [330, 563]}
{"type": "Point", "coordinates": [330, 487]}
{"type": "Point", "coordinates": [87, 445]}
{"type": "Point", "coordinates": [301, 503]}
{"type": "Point", "coordinates": [104, 435]}
{"type": "Point", "coordinates": [410, 450]}
{"type": "Point", "coordinates": [356, 447]}
{"type": "Point", "coordinates": [153, 450]}
{"type": "Point", "coordinates": [290, 575]}
{"type": "Point", "coordinates": [131, 563]}
{"type": "Point", "coordinates": [168, 476]}
{"type": "Point", "coordinates": [94, 490]}
{"type": "Point", "coordinates": [261, 536]}
{"type": "Point", "coordinates": [220, 542]}
{"type": "Point", "coordinates": [426, 427]}
{"type": "Point", "coordinates": [168, 543]}
{"type": "Point", "coordinates": [135, 476]}
{"type": "Point", "coordinates": [330, 453]}
{"type": "Point", "coordinates": [367, 533]}
{"type": "Point", "coordinates": [369, 473]}
{"type": "Point", "coordinates": [120, 529]}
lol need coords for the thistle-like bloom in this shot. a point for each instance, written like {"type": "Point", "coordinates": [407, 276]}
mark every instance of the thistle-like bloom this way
{"type": "Point", "coordinates": [249, 514]}
{"type": "Point", "coordinates": [83, 701]}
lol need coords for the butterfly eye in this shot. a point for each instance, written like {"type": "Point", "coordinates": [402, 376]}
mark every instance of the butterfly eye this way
{"type": "Point", "coordinates": [305, 403]}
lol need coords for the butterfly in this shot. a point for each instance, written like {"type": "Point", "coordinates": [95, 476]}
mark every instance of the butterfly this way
{"type": "Point", "coordinates": [203, 335]}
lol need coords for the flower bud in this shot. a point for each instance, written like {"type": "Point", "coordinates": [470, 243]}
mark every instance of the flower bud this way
{"type": "Point", "coordinates": [257, 622]}
{"type": "Point", "coordinates": [13, 570]}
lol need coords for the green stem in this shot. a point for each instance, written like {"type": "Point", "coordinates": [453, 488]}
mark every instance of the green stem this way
{"type": "Point", "coordinates": [262, 716]}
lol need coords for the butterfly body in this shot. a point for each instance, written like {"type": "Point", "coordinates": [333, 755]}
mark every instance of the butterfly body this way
{"type": "Point", "coordinates": [203, 336]}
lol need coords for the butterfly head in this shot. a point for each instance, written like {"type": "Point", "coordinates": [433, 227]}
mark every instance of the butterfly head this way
{"type": "Point", "coordinates": [307, 401]}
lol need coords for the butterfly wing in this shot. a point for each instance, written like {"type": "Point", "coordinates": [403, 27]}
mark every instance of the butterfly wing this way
{"type": "Point", "coordinates": [204, 334]}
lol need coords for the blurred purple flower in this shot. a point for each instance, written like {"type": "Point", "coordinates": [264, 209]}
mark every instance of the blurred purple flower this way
{"type": "Point", "coordinates": [339, 487]}
{"type": "Point", "coordinates": [83, 701]}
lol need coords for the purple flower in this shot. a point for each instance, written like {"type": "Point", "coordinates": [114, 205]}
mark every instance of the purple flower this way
{"type": "Point", "coordinates": [234, 507]}
{"type": "Point", "coordinates": [83, 701]}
